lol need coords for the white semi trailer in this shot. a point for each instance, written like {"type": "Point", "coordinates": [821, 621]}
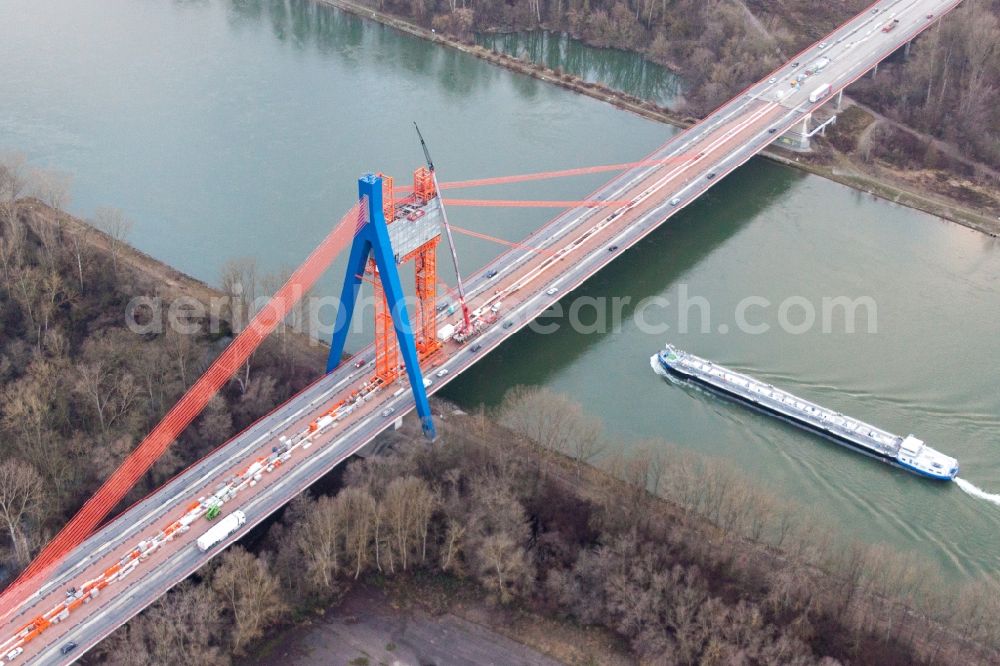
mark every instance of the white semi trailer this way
{"type": "Point", "coordinates": [445, 332]}
{"type": "Point", "coordinates": [222, 529]}
{"type": "Point", "coordinates": [820, 93]}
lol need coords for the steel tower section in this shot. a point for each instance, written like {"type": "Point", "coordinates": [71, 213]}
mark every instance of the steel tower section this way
{"type": "Point", "coordinates": [372, 240]}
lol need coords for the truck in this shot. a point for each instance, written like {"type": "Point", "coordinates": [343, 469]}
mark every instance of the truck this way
{"type": "Point", "coordinates": [221, 530]}
{"type": "Point", "coordinates": [890, 26]}
{"type": "Point", "coordinates": [819, 65]}
{"type": "Point", "coordinates": [819, 93]}
{"type": "Point", "coordinates": [445, 332]}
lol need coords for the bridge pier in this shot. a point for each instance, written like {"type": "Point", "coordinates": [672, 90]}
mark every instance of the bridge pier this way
{"type": "Point", "coordinates": [840, 100]}
{"type": "Point", "coordinates": [906, 50]}
{"type": "Point", "coordinates": [798, 138]}
{"type": "Point", "coordinates": [875, 70]}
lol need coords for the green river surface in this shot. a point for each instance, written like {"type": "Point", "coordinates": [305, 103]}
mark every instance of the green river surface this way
{"type": "Point", "coordinates": [232, 129]}
{"type": "Point", "coordinates": [619, 70]}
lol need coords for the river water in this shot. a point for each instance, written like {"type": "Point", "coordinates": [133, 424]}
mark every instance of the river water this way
{"type": "Point", "coordinates": [230, 129]}
{"type": "Point", "coordinates": [619, 70]}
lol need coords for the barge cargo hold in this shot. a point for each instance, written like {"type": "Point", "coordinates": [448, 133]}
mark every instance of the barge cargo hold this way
{"type": "Point", "coordinates": [908, 452]}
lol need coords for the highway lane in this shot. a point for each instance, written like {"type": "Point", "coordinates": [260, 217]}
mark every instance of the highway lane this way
{"type": "Point", "coordinates": [577, 245]}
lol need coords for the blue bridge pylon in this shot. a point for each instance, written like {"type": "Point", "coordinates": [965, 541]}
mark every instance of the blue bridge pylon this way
{"type": "Point", "coordinates": [373, 240]}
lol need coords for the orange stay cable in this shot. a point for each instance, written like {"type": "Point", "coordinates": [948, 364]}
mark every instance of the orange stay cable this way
{"type": "Point", "coordinates": [562, 173]}
{"type": "Point", "coordinates": [520, 246]}
{"type": "Point", "coordinates": [591, 203]}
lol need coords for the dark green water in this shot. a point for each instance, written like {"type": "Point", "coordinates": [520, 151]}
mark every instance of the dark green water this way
{"type": "Point", "coordinates": [232, 129]}
{"type": "Point", "coordinates": [619, 70]}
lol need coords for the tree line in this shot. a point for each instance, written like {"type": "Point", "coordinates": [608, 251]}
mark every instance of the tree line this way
{"type": "Point", "coordinates": [681, 556]}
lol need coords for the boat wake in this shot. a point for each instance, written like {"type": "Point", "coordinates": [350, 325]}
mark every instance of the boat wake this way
{"type": "Point", "coordinates": [654, 363]}
{"type": "Point", "coordinates": [977, 492]}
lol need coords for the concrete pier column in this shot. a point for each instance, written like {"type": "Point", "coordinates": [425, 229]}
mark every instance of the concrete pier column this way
{"type": "Point", "coordinates": [906, 50]}
{"type": "Point", "coordinates": [804, 143]}
{"type": "Point", "coordinates": [875, 70]}
{"type": "Point", "coordinates": [840, 100]}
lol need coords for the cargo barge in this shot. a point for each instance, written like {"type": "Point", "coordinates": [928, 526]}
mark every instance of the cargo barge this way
{"type": "Point", "coordinates": [908, 452]}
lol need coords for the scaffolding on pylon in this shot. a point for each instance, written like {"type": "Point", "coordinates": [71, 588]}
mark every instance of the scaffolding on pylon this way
{"type": "Point", "coordinates": [423, 185]}
{"type": "Point", "coordinates": [408, 230]}
{"type": "Point", "coordinates": [388, 198]}
{"type": "Point", "coordinates": [386, 345]}
{"type": "Point", "coordinates": [425, 274]}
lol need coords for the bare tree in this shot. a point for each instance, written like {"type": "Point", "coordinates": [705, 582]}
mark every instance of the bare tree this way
{"type": "Point", "coordinates": [498, 534]}
{"type": "Point", "coordinates": [408, 505]}
{"type": "Point", "coordinates": [34, 407]}
{"type": "Point", "coordinates": [51, 187]}
{"type": "Point", "coordinates": [183, 351]}
{"type": "Point", "coordinates": [182, 627]}
{"type": "Point", "coordinates": [110, 392]}
{"type": "Point", "coordinates": [13, 182]}
{"type": "Point", "coordinates": [503, 565]}
{"type": "Point", "coordinates": [53, 294]}
{"type": "Point", "coordinates": [452, 548]}
{"type": "Point", "coordinates": [21, 490]}
{"type": "Point", "coordinates": [551, 420]}
{"type": "Point", "coordinates": [78, 239]}
{"type": "Point", "coordinates": [241, 283]}
{"type": "Point", "coordinates": [317, 536]}
{"type": "Point", "coordinates": [117, 227]}
{"type": "Point", "coordinates": [357, 509]}
{"type": "Point", "coordinates": [215, 424]}
{"type": "Point", "coordinates": [25, 287]}
{"type": "Point", "coordinates": [251, 593]}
